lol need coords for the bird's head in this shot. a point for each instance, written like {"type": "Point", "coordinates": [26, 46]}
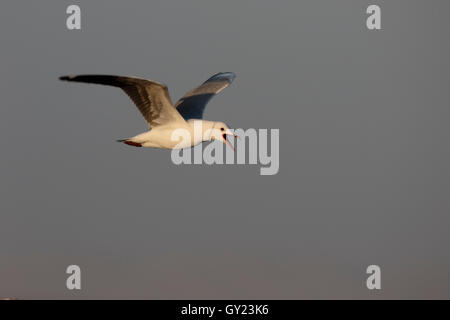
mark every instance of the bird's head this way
{"type": "Point", "coordinates": [220, 131]}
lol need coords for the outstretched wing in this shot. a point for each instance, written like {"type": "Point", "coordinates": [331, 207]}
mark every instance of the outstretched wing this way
{"type": "Point", "coordinates": [192, 105]}
{"type": "Point", "coordinates": [151, 98]}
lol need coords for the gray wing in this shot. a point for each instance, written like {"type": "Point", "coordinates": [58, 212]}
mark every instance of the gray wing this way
{"type": "Point", "coordinates": [151, 98]}
{"type": "Point", "coordinates": [193, 103]}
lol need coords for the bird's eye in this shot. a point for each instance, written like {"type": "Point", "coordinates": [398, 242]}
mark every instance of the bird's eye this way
{"type": "Point", "coordinates": [221, 129]}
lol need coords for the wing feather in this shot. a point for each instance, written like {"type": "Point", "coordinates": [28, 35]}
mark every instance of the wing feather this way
{"type": "Point", "coordinates": [192, 104]}
{"type": "Point", "coordinates": [150, 97]}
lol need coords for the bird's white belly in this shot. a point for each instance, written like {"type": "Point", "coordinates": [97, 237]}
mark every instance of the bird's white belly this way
{"type": "Point", "coordinates": [167, 137]}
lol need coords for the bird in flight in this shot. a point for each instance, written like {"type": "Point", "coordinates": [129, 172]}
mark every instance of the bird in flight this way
{"type": "Point", "coordinates": [153, 101]}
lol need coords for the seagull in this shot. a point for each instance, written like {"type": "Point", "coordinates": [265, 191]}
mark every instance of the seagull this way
{"type": "Point", "coordinates": [153, 101]}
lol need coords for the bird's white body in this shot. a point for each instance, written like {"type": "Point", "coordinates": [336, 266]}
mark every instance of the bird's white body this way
{"type": "Point", "coordinates": [171, 135]}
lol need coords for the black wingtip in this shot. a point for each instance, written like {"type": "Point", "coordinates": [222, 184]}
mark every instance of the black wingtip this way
{"type": "Point", "coordinates": [221, 76]}
{"type": "Point", "coordinates": [64, 78]}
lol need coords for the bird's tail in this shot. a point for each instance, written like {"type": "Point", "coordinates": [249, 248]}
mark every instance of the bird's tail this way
{"type": "Point", "coordinates": [130, 143]}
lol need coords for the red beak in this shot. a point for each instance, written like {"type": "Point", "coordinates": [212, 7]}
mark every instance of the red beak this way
{"type": "Point", "coordinates": [224, 136]}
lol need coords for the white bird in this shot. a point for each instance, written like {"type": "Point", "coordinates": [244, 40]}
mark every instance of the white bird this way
{"type": "Point", "coordinates": [153, 101]}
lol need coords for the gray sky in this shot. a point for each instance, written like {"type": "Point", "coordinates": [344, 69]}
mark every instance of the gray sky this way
{"type": "Point", "coordinates": [364, 151]}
